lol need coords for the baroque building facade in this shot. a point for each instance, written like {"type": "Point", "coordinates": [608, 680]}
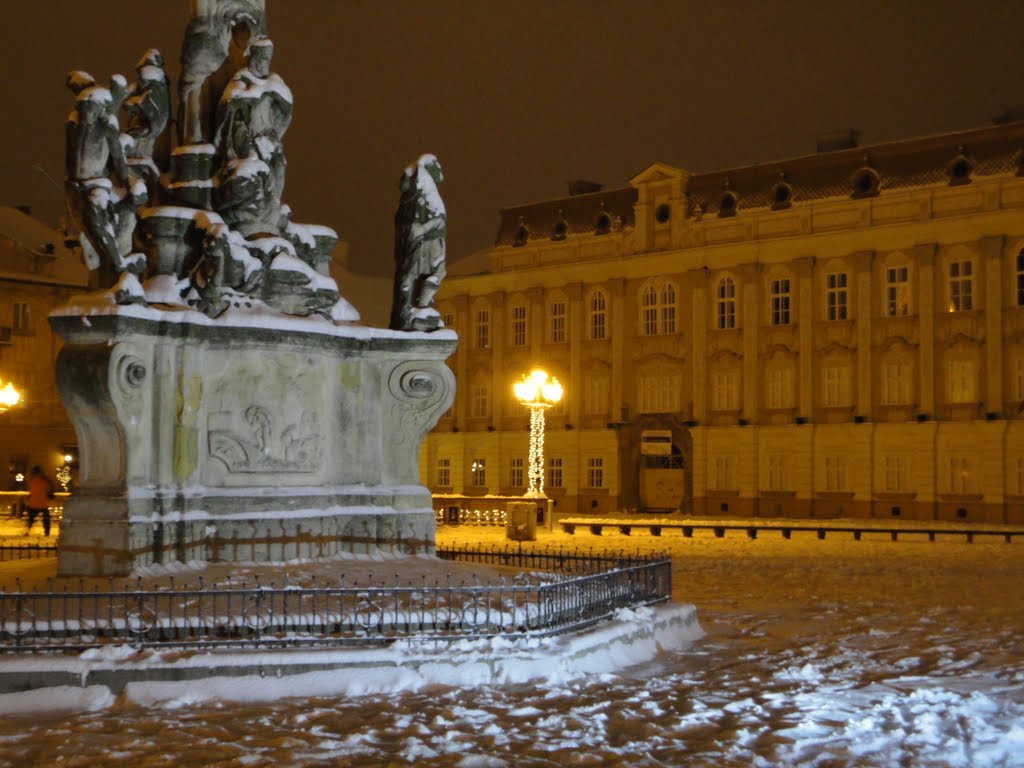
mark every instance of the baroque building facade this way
{"type": "Point", "coordinates": [840, 334]}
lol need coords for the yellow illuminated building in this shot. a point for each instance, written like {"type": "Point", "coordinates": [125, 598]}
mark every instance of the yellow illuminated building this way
{"type": "Point", "coordinates": [839, 334]}
{"type": "Point", "coordinates": [38, 271]}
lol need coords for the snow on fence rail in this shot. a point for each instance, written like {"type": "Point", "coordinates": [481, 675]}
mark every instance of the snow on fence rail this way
{"type": "Point", "coordinates": [570, 591]}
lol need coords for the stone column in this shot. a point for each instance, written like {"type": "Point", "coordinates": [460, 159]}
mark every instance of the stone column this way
{"type": "Point", "coordinates": [804, 269]}
{"type": "Point", "coordinates": [927, 376]}
{"type": "Point", "coordinates": [575, 315]}
{"type": "Point", "coordinates": [991, 249]}
{"type": "Point", "coordinates": [864, 285]}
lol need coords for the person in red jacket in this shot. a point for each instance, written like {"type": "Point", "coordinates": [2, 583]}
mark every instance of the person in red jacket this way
{"type": "Point", "coordinates": [40, 491]}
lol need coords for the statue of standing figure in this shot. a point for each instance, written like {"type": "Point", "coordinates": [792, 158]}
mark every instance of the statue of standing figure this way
{"type": "Point", "coordinates": [420, 231]}
{"type": "Point", "coordinates": [148, 108]}
{"type": "Point", "coordinates": [253, 115]}
{"type": "Point", "coordinates": [102, 195]}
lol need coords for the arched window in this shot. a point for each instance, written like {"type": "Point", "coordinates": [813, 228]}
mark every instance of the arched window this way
{"type": "Point", "coordinates": [556, 320]}
{"type": "Point", "coordinates": [597, 323]}
{"type": "Point", "coordinates": [658, 308]}
{"type": "Point", "coordinates": [726, 304]}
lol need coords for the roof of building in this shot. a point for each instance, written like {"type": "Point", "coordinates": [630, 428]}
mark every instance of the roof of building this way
{"type": "Point", "coordinates": [38, 239]}
{"type": "Point", "coordinates": [854, 172]}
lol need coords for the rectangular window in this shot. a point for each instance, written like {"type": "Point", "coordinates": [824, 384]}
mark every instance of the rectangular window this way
{"type": "Point", "coordinates": [1020, 475]}
{"type": "Point", "coordinates": [554, 472]}
{"type": "Point", "coordinates": [659, 393]}
{"type": "Point", "coordinates": [515, 472]}
{"type": "Point", "coordinates": [780, 301]}
{"type": "Point", "coordinates": [519, 326]}
{"type": "Point", "coordinates": [897, 292]}
{"type": "Point", "coordinates": [448, 319]}
{"type": "Point", "coordinates": [481, 401]}
{"type": "Point", "coordinates": [960, 381]}
{"type": "Point", "coordinates": [835, 473]}
{"type": "Point", "coordinates": [650, 313]}
{"type": "Point", "coordinates": [776, 472]}
{"type": "Point", "coordinates": [483, 329]}
{"type": "Point", "coordinates": [22, 321]}
{"type": "Point", "coordinates": [596, 395]}
{"type": "Point", "coordinates": [558, 322]}
{"type": "Point", "coordinates": [478, 473]}
{"type": "Point", "coordinates": [726, 304]}
{"type": "Point", "coordinates": [595, 472]}
{"type": "Point", "coordinates": [598, 316]}
{"type": "Point", "coordinates": [725, 391]}
{"type": "Point", "coordinates": [833, 387]}
{"type": "Point", "coordinates": [896, 384]}
{"type": "Point", "coordinates": [723, 474]}
{"type": "Point", "coordinates": [780, 388]}
{"type": "Point", "coordinates": [895, 471]}
{"type": "Point", "coordinates": [959, 474]}
{"type": "Point", "coordinates": [960, 286]}
{"type": "Point", "coordinates": [836, 296]}
{"type": "Point", "coordinates": [444, 472]}
{"type": "Point", "coordinates": [1020, 279]}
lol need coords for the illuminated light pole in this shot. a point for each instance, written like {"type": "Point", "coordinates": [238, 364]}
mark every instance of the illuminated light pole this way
{"type": "Point", "coordinates": [9, 397]}
{"type": "Point", "coordinates": [538, 393]}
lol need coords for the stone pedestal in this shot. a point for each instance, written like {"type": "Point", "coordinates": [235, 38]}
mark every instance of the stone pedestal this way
{"type": "Point", "coordinates": [238, 442]}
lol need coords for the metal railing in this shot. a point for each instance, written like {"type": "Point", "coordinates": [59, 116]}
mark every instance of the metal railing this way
{"type": "Point", "coordinates": [569, 591]}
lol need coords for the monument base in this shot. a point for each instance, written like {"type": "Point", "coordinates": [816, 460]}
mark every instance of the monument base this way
{"type": "Point", "coordinates": [238, 441]}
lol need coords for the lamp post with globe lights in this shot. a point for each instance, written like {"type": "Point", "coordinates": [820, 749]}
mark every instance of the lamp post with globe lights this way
{"type": "Point", "coordinates": [9, 397]}
{"type": "Point", "coordinates": [538, 393]}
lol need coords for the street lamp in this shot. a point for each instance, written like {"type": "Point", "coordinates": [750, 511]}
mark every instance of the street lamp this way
{"type": "Point", "coordinates": [9, 397]}
{"type": "Point", "coordinates": [538, 393]}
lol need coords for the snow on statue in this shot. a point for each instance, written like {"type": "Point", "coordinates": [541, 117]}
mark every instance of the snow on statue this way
{"type": "Point", "coordinates": [420, 229]}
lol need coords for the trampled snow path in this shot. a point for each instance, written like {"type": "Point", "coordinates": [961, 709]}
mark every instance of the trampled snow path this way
{"type": "Point", "coordinates": [817, 653]}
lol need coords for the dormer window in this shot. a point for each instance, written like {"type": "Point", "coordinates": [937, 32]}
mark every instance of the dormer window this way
{"type": "Point", "coordinates": [522, 236]}
{"type": "Point", "coordinates": [959, 170]}
{"type": "Point", "coordinates": [865, 183]}
{"type": "Point", "coordinates": [782, 196]}
{"type": "Point", "coordinates": [603, 224]}
{"type": "Point", "coordinates": [728, 204]}
{"type": "Point", "coordinates": [560, 229]}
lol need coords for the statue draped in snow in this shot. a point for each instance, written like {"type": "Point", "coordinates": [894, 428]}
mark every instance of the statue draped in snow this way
{"type": "Point", "coordinates": [253, 115]}
{"type": "Point", "coordinates": [420, 230]}
{"type": "Point", "coordinates": [101, 193]}
{"type": "Point", "coordinates": [148, 108]}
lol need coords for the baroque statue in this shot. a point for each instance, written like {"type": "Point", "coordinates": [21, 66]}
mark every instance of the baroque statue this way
{"type": "Point", "coordinates": [420, 231]}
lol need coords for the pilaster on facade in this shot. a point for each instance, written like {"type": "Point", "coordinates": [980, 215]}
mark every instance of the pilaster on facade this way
{"type": "Point", "coordinates": [992, 258]}
{"type": "Point", "coordinates": [752, 320]}
{"type": "Point", "coordinates": [804, 269]}
{"type": "Point", "coordinates": [864, 285]}
{"type": "Point", "coordinates": [576, 315]}
{"type": "Point", "coordinates": [698, 279]}
{"type": "Point", "coordinates": [621, 325]}
{"type": "Point", "coordinates": [928, 375]}
{"type": "Point", "coordinates": [537, 321]}
{"type": "Point", "coordinates": [499, 377]}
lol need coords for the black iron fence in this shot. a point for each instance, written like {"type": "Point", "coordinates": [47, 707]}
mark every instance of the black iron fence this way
{"type": "Point", "coordinates": [564, 591]}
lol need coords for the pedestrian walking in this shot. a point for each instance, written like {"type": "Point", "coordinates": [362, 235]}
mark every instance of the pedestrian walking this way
{"type": "Point", "coordinates": [40, 491]}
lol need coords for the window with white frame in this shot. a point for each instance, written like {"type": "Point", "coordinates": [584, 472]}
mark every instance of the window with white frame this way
{"type": "Point", "coordinates": [959, 476]}
{"type": "Point", "coordinates": [478, 473]}
{"type": "Point", "coordinates": [895, 383]}
{"type": "Point", "coordinates": [835, 296]}
{"type": "Point", "coordinates": [725, 391]}
{"type": "Point", "coordinates": [780, 388]}
{"type": "Point", "coordinates": [519, 326]}
{"type": "Point", "coordinates": [894, 473]}
{"type": "Point", "coordinates": [723, 477]}
{"type": "Point", "coordinates": [483, 328]}
{"type": "Point", "coordinates": [779, 300]}
{"type": "Point", "coordinates": [776, 472]}
{"type": "Point", "coordinates": [960, 381]}
{"type": "Point", "coordinates": [444, 472]}
{"type": "Point", "coordinates": [515, 472]}
{"type": "Point", "coordinates": [725, 315]}
{"type": "Point", "coordinates": [555, 472]}
{"type": "Point", "coordinates": [1020, 279]}
{"type": "Point", "coordinates": [897, 291]}
{"type": "Point", "coordinates": [961, 286]}
{"type": "Point", "coordinates": [595, 472]}
{"type": "Point", "coordinates": [557, 333]}
{"type": "Point", "coordinates": [481, 401]}
{"type": "Point", "coordinates": [595, 398]}
{"type": "Point", "coordinates": [22, 321]}
{"type": "Point", "coordinates": [835, 473]}
{"type": "Point", "coordinates": [659, 390]}
{"type": "Point", "coordinates": [658, 308]}
{"type": "Point", "coordinates": [598, 311]}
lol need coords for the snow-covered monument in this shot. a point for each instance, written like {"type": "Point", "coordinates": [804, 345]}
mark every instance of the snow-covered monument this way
{"type": "Point", "coordinates": [227, 402]}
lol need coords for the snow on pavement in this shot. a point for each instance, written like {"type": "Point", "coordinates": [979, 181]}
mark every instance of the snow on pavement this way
{"type": "Point", "coordinates": [816, 653]}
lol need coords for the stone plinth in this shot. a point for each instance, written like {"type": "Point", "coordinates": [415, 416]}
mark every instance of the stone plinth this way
{"type": "Point", "coordinates": [228, 441]}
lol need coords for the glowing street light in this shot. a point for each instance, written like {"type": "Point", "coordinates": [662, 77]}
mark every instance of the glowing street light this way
{"type": "Point", "coordinates": [9, 397]}
{"type": "Point", "coordinates": [538, 393]}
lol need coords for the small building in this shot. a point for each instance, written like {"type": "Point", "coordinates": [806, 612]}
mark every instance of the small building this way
{"type": "Point", "coordinates": [838, 334]}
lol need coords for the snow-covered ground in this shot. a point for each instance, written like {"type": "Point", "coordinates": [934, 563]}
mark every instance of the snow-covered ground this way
{"type": "Point", "coordinates": [817, 653]}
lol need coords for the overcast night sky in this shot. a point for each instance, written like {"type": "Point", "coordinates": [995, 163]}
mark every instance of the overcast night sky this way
{"type": "Point", "coordinates": [517, 98]}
